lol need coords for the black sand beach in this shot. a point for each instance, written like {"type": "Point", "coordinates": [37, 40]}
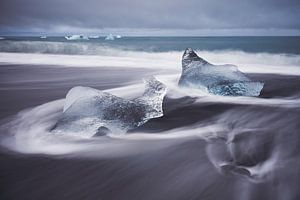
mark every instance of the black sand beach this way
{"type": "Point", "coordinates": [178, 168]}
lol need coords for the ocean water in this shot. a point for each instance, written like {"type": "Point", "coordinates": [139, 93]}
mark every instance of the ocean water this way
{"type": "Point", "coordinates": [203, 147]}
{"type": "Point", "coordinates": [59, 45]}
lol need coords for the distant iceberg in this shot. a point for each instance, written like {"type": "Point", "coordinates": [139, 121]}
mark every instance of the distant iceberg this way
{"type": "Point", "coordinates": [2, 38]}
{"type": "Point", "coordinates": [118, 36]}
{"type": "Point", "coordinates": [88, 112]}
{"type": "Point", "coordinates": [43, 37]}
{"type": "Point", "coordinates": [110, 37]}
{"type": "Point", "coordinates": [225, 80]}
{"type": "Point", "coordinates": [76, 37]}
{"type": "Point", "coordinates": [94, 36]}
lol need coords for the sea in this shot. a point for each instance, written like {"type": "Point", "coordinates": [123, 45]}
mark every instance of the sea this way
{"type": "Point", "coordinates": [204, 146]}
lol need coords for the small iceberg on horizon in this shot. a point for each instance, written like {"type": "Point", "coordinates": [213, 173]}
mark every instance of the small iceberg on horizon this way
{"type": "Point", "coordinates": [224, 80]}
{"type": "Point", "coordinates": [76, 37]}
{"type": "Point", "coordinates": [94, 36]}
{"type": "Point", "coordinates": [110, 37]}
{"type": "Point", "coordinates": [43, 37]}
{"type": "Point", "coordinates": [88, 111]}
{"type": "Point", "coordinates": [2, 38]}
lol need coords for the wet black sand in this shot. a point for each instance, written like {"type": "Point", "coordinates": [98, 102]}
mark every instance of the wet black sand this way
{"type": "Point", "coordinates": [179, 171]}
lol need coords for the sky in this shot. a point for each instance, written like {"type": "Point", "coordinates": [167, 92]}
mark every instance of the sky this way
{"type": "Point", "coordinates": [150, 17]}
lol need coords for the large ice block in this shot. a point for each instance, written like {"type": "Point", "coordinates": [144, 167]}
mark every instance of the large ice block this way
{"type": "Point", "coordinates": [88, 110]}
{"type": "Point", "coordinates": [225, 80]}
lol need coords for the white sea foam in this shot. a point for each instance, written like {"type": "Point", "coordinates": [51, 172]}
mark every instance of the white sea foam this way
{"type": "Point", "coordinates": [31, 128]}
{"type": "Point", "coordinates": [113, 57]}
{"type": "Point", "coordinates": [30, 133]}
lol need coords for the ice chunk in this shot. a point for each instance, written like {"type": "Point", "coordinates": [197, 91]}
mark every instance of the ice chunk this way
{"type": "Point", "coordinates": [152, 98]}
{"type": "Point", "coordinates": [76, 37]}
{"type": "Point", "coordinates": [118, 36]}
{"type": "Point", "coordinates": [94, 36]}
{"type": "Point", "coordinates": [225, 80]}
{"type": "Point", "coordinates": [110, 37]}
{"type": "Point", "coordinates": [88, 111]}
{"type": "Point", "coordinates": [43, 37]}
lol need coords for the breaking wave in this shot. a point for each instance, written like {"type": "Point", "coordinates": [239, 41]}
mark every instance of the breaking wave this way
{"type": "Point", "coordinates": [99, 55]}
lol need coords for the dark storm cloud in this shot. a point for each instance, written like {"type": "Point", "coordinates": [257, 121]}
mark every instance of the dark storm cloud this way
{"type": "Point", "coordinates": [160, 14]}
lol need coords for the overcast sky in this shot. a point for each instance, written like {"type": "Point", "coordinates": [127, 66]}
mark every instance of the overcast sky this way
{"type": "Point", "coordinates": [151, 17]}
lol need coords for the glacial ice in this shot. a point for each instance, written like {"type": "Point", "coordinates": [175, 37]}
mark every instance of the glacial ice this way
{"type": "Point", "coordinates": [110, 37]}
{"type": "Point", "coordinates": [224, 80]}
{"type": "Point", "coordinates": [89, 111]}
{"type": "Point", "coordinates": [76, 37]}
{"type": "Point", "coordinates": [94, 37]}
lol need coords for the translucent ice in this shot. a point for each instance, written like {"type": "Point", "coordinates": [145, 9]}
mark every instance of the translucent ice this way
{"type": "Point", "coordinates": [94, 36]}
{"type": "Point", "coordinates": [110, 37]}
{"type": "Point", "coordinates": [88, 111]}
{"type": "Point", "coordinates": [225, 80]}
